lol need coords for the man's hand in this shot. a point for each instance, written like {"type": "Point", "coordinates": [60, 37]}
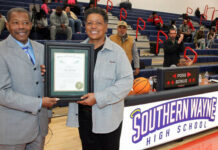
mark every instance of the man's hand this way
{"type": "Point", "coordinates": [49, 102]}
{"type": "Point", "coordinates": [137, 71]}
{"type": "Point", "coordinates": [63, 26]}
{"type": "Point", "coordinates": [42, 70]}
{"type": "Point", "coordinates": [180, 38]}
{"type": "Point", "coordinates": [185, 62]}
{"type": "Point", "coordinates": [89, 99]}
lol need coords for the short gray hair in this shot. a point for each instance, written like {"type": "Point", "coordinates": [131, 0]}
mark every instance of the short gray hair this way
{"type": "Point", "coordinates": [17, 9]}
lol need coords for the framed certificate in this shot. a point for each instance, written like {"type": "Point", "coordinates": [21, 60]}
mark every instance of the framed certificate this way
{"type": "Point", "coordinates": [69, 70]}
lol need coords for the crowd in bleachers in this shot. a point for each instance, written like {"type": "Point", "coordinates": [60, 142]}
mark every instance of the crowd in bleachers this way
{"type": "Point", "coordinates": [45, 18]}
{"type": "Point", "coordinates": [62, 19]}
{"type": "Point", "coordinates": [74, 12]}
{"type": "Point", "coordinates": [195, 36]}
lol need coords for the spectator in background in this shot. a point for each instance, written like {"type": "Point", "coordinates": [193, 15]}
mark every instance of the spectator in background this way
{"type": "Point", "coordinates": [59, 24]}
{"type": "Point", "coordinates": [199, 39]}
{"type": "Point", "coordinates": [74, 6]}
{"type": "Point", "coordinates": [193, 31]}
{"type": "Point", "coordinates": [45, 7]}
{"type": "Point", "coordinates": [197, 12]}
{"type": "Point", "coordinates": [126, 5]}
{"type": "Point", "coordinates": [213, 23]}
{"type": "Point", "coordinates": [74, 22]}
{"type": "Point", "coordinates": [2, 23]}
{"type": "Point", "coordinates": [173, 25]}
{"type": "Point", "coordinates": [184, 16]}
{"type": "Point", "coordinates": [71, 2]}
{"type": "Point", "coordinates": [91, 5]}
{"type": "Point", "coordinates": [190, 24]}
{"type": "Point", "coordinates": [210, 38]}
{"type": "Point", "coordinates": [172, 49]}
{"type": "Point", "coordinates": [186, 31]}
{"type": "Point", "coordinates": [42, 27]}
{"type": "Point", "coordinates": [157, 20]}
{"type": "Point", "coordinates": [128, 44]}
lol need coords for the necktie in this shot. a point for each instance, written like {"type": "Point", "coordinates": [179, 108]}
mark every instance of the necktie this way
{"type": "Point", "coordinates": [26, 50]}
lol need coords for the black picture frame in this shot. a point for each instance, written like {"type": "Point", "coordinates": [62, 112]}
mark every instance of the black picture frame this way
{"type": "Point", "coordinates": [57, 53]}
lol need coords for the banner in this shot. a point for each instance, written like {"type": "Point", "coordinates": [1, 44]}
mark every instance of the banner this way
{"type": "Point", "coordinates": [152, 124]}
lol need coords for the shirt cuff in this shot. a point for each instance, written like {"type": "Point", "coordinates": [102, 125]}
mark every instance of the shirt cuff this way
{"type": "Point", "coordinates": [40, 104]}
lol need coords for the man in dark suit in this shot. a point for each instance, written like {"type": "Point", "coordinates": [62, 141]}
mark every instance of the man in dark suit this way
{"type": "Point", "coordinates": [172, 48]}
{"type": "Point", "coordinates": [23, 109]}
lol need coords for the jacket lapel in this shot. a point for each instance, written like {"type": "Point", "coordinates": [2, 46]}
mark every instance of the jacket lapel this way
{"type": "Point", "coordinates": [17, 50]}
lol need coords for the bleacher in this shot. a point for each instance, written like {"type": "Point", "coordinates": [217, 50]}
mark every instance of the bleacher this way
{"type": "Point", "coordinates": [207, 60]}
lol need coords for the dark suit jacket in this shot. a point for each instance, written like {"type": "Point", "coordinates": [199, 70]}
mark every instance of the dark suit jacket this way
{"type": "Point", "coordinates": [172, 52]}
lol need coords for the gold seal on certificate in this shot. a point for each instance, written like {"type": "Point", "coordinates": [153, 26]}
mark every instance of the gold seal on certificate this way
{"type": "Point", "coordinates": [69, 70]}
{"type": "Point", "coordinates": [79, 85]}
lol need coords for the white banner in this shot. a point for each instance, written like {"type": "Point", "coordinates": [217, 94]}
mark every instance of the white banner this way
{"type": "Point", "coordinates": [152, 124]}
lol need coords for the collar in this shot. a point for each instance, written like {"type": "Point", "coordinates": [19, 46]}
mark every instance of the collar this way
{"type": "Point", "coordinates": [107, 43]}
{"type": "Point", "coordinates": [124, 38]}
{"type": "Point", "coordinates": [21, 44]}
{"type": "Point", "coordinates": [173, 41]}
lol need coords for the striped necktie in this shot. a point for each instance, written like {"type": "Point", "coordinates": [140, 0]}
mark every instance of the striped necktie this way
{"type": "Point", "coordinates": [26, 50]}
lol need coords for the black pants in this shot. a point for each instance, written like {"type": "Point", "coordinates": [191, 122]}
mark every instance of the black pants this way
{"type": "Point", "coordinates": [92, 141]}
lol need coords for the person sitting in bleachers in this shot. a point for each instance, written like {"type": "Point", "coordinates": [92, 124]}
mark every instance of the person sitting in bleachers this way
{"type": "Point", "coordinates": [2, 23]}
{"type": "Point", "coordinates": [42, 27]}
{"type": "Point", "coordinates": [199, 39]}
{"type": "Point", "coordinates": [74, 22]}
{"type": "Point", "coordinates": [157, 20]}
{"type": "Point", "coordinates": [74, 6]}
{"type": "Point", "coordinates": [45, 7]}
{"type": "Point", "coordinates": [59, 24]}
{"type": "Point", "coordinates": [210, 38]}
{"type": "Point", "coordinates": [173, 25]}
{"type": "Point", "coordinates": [193, 31]}
{"type": "Point", "coordinates": [185, 29]}
{"type": "Point", "coordinates": [91, 5]}
{"type": "Point", "coordinates": [190, 24]}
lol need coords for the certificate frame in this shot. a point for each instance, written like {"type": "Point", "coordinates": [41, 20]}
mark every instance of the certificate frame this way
{"type": "Point", "coordinates": [68, 63]}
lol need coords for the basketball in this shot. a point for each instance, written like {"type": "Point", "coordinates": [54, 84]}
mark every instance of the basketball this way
{"type": "Point", "coordinates": [141, 85]}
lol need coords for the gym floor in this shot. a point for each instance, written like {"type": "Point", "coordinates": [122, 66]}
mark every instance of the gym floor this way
{"type": "Point", "coordinates": [61, 137]}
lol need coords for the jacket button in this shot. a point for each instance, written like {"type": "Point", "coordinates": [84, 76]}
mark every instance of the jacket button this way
{"type": "Point", "coordinates": [37, 82]}
{"type": "Point", "coordinates": [34, 69]}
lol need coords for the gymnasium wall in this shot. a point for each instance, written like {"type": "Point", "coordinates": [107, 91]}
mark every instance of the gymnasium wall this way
{"type": "Point", "coordinates": [172, 6]}
{"type": "Point", "coordinates": [175, 6]}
